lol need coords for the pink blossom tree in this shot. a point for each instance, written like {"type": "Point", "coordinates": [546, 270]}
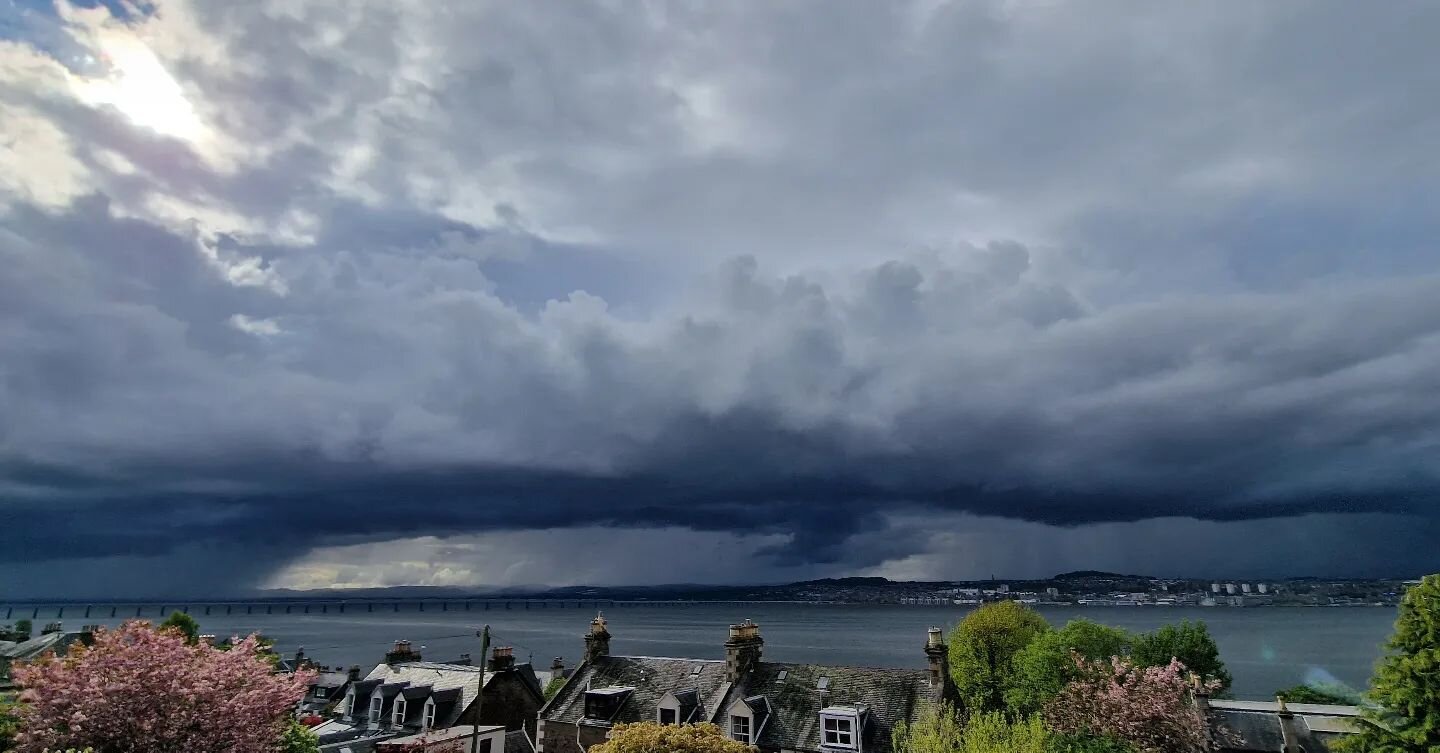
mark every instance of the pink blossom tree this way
{"type": "Point", "coordinates": [1148, 707]}
{"type": "Point", "coordinates": [140, 690]}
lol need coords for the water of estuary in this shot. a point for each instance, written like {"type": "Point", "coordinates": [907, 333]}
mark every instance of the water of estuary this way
{"type": "Point", "coordinates": [1266, 649]}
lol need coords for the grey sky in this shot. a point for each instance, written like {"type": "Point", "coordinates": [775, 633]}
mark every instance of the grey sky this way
{"type": "Point", "coordinates": [384, 293]}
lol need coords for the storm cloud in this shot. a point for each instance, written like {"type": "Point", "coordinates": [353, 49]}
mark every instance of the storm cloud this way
{"type": "Point", "coordinates": [375, 286]}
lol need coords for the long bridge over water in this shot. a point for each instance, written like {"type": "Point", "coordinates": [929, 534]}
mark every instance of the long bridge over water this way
{"type": "Point", "coordinates": [120, 609]}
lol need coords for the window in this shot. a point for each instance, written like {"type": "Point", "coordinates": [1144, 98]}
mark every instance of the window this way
{"type": "Point", "coordinates": [375, 709]}
{"type": "Point", "coordinates": [429, 720]}
{"type": "Point", "coordinates": [397, 715]}
{"type": "Point", "coordinates": [350, 703]}
{"type": "Point", "coordinates": [740, 728]}
{"type": "Point", "coordinates": [839, 732]}
{"type": "Point", "coordinates": [667, 716]}
{"type": "Point", "coordinates": [319, 692]}
{"type": "Point", "coordinates": [485, 745]}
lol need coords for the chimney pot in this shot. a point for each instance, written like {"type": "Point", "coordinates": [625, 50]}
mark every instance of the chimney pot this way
{"type": "Point", "coordinates": [742, 650]}
{"type": "Point", "coordinates": [502, 658]}
{"type": "Point", "coordinates": [354, 672]}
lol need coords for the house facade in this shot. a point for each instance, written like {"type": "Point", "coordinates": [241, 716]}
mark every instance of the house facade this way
{"type": "Point", "coordinates": [775, 706]}
{"type": "Point", "coordinates": [406, 696]}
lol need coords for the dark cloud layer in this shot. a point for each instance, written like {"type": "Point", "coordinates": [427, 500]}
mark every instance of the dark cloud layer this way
{"type": "Point", "coordinates": [788, 280]}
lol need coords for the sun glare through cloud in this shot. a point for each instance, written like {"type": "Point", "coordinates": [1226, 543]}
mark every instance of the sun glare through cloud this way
{"type": "Point", "coordinates": [137, 84]}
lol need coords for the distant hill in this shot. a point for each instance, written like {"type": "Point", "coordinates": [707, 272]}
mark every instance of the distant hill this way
{"type": "Point", "coordinates": [1097, 574]}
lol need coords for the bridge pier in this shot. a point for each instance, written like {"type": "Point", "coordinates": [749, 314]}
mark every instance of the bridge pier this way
{"type": "Point", "coordinates": [269, 608]}
{"type": "Point", "coordinates": [137, 611]}
{"type": "Point", "coordinates": [36, 614]}
{"type": "Point", "coordinates": [324, 608]}
{"type": "Point", "coordinates": [9, 611]}
{"type": "Point", "coordinates": [162, 610]}
{"type": "Point", "coordinates": [185, 609]}
{"type": "Point", "coordinates": [444, 606]}
{"type": "Point", "coordinates": [113, 610]}
{"type": "Point", "coordinates": [59, 613]}
{"type": "Point", "coordinates": [370, 607]}
{"type": "Point", "coordinates": [397, 606]}
{"type": "Point", "coordinates": [307, 609]}
{"type": "Point", "coordinates": [249, 607]}
{"type": "Point", "coordinates": [287, 608]}
{"type": "Point", "coordinates": [207, 610]}
{"type": "Point", "coordinates": [229, 608]}
{"type": "Point", "coordinates": [87, 611]}
{"type": "Point", "coordinates": [422, 606]}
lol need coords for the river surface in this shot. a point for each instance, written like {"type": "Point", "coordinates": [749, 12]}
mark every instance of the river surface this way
{"type": "Point", "coordinates": [1265, 648]}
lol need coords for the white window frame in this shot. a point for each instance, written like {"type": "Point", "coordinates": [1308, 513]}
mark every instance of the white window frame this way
{"type": "Point", "coordinates": [837, 731]}
{"type": "Point", "coordinates": [350, 704]}
{"type": "Point", "coordinates": [674, 713]}
{"type": "Point", "coordinates": [736, 735]}
{"type": "Point", "coordinates": [319, 692]}
{"type": "Point", "coordinates": [375, 703]}
{"type": "Point", "coordinates": [428, 718]}
{"type": "Point", "coordinates": [397, 711]}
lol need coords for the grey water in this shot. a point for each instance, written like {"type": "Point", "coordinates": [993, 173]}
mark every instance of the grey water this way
{"type": "Point", "coordinates": [1266, 649]}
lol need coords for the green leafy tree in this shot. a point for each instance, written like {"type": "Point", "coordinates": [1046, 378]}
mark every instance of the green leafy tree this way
{"type": "Point", "coordinates": [298, 738]}
{"type": "Point", "coordinates": [939, 730]}
{"type": "Point", "coordinates": [9, 721]}
{"type": "Point", "coordinates": [1190, 643]}
{"type": "Point", "coordinates": [23, 628]}
{"type": "Point", "coordinates": [556, 683]}
{"type": "Point", "coordinates": [1047, 664]}
{"type": "Point", "coordinates": [1089, 744]}
{"type": "Point", "coordinates": [184, 623]}
{"type": "Point", "coordinates": [1406, 685]}
{"type": "Point", "coordinates": [1333, 695]}
{"type": "Point", "coordinates": [983, 648]}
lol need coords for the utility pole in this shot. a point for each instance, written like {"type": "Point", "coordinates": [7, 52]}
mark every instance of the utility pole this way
{"type": "Point", "coordinates": [480, 694]}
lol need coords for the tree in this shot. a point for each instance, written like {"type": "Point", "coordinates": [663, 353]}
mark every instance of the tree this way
{"type": "Point", "coordinates": [1333, 695]}
{"type": "Point", "coordinates": [9, 721]}
{"type": "Point", "coordinates": [939, 730]}
{"type": "Point", "coordinates": [183, 622]}
{"type": "Point", "coordinates": [298, 738]}
{"type": "Point", "coordinates": [1148, 707]}
{"type": "Point", "coordinates": [1190, 642]}
{"type": "Point", "coordinates": [649, 737]}
{"type": "Point", "coordinates": [556, 683]}
{"type": "Point", "coordinates": [23, 628]}
{"type": "Point", "coordinates": [1406, 685]}
{"type": "Point", "coordinates": [138, 689]}
{"type": "Point", "coordinates": [982, 651]}
{"type": "Point", "coordinates": [1043, 668]}
{"type": "Point", "coordinates": [1088, 744]}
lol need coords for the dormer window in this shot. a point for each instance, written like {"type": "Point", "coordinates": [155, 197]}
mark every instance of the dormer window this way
{"type": "Point", "coordinates": [602, 704]}
{"type": "Point", "coordinates": [839, 732]}
{"type": "Point", "coordinates": [375, 703]}
{"type": "Point", "coordinates": [397, 714]}
{"type": "Point", "coordinates": [319, 692]}
{"type": "Point", "coordinates": [428, 715]}
{"type": "Point", "coordinates": [841, 726]}
{"type": "Point", "coordinates": [740, 729]}
{"type": "Point", "coordinates": [667, 716]}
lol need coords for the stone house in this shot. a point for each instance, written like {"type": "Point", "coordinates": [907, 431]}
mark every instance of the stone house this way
{"type": "Point", "coordinates": [776, 706]}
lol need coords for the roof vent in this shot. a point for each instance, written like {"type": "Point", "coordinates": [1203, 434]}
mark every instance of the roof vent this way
{"type": "Point", "coordinates": [782, 674]}
{"type": "Point", "coordinates": [823, 684]}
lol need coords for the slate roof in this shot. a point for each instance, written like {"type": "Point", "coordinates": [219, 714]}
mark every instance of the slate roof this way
{"type": "Point", "coordinates": [651, 677]}
{"type": "Point", "coordinates": [1244, 726]}
{"type": "Point", "coordinates": [890, 696]}
{"type": "Point", "coordinates": [330, 679]}
{"type": "Point", "coordinates": [790, 706]}
{"type": "Point", "coordinates": [448, 681]}
{"type": "Point", "coordinates": [518, 742]}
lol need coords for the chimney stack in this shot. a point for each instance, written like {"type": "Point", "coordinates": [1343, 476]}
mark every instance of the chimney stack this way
{"type": "Point", "coordinates": [401, 654]}
{"type": "Point", "coordinates": [557, 666]}
{"type": "Point", "coordinates": [938, 657]}
{"type": "Point", "coordinates": [742, 650]}
{"type": "Point", "coordinates": [52, 627]}
{"type": "Point", "coordinates": [354, 673]}
{"type": "Point", "coordinates": [502, 658]}
{"type": "Point", "coordinates": [597, 641]}
{"type": "Point", "coordinates": [464, 660]}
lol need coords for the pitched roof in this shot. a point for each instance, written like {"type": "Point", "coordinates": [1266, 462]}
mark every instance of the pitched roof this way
{"type": "Point", "coordinates": [518, 742]}
{"type": "Point", "coordinates": [447, 681]}
{"type": "Point", "coordinates": [794, 701]}
{"type": "Point", "coordinates": [651, 677]}
{"type": "Point", "coordinates": [1255, 725]}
